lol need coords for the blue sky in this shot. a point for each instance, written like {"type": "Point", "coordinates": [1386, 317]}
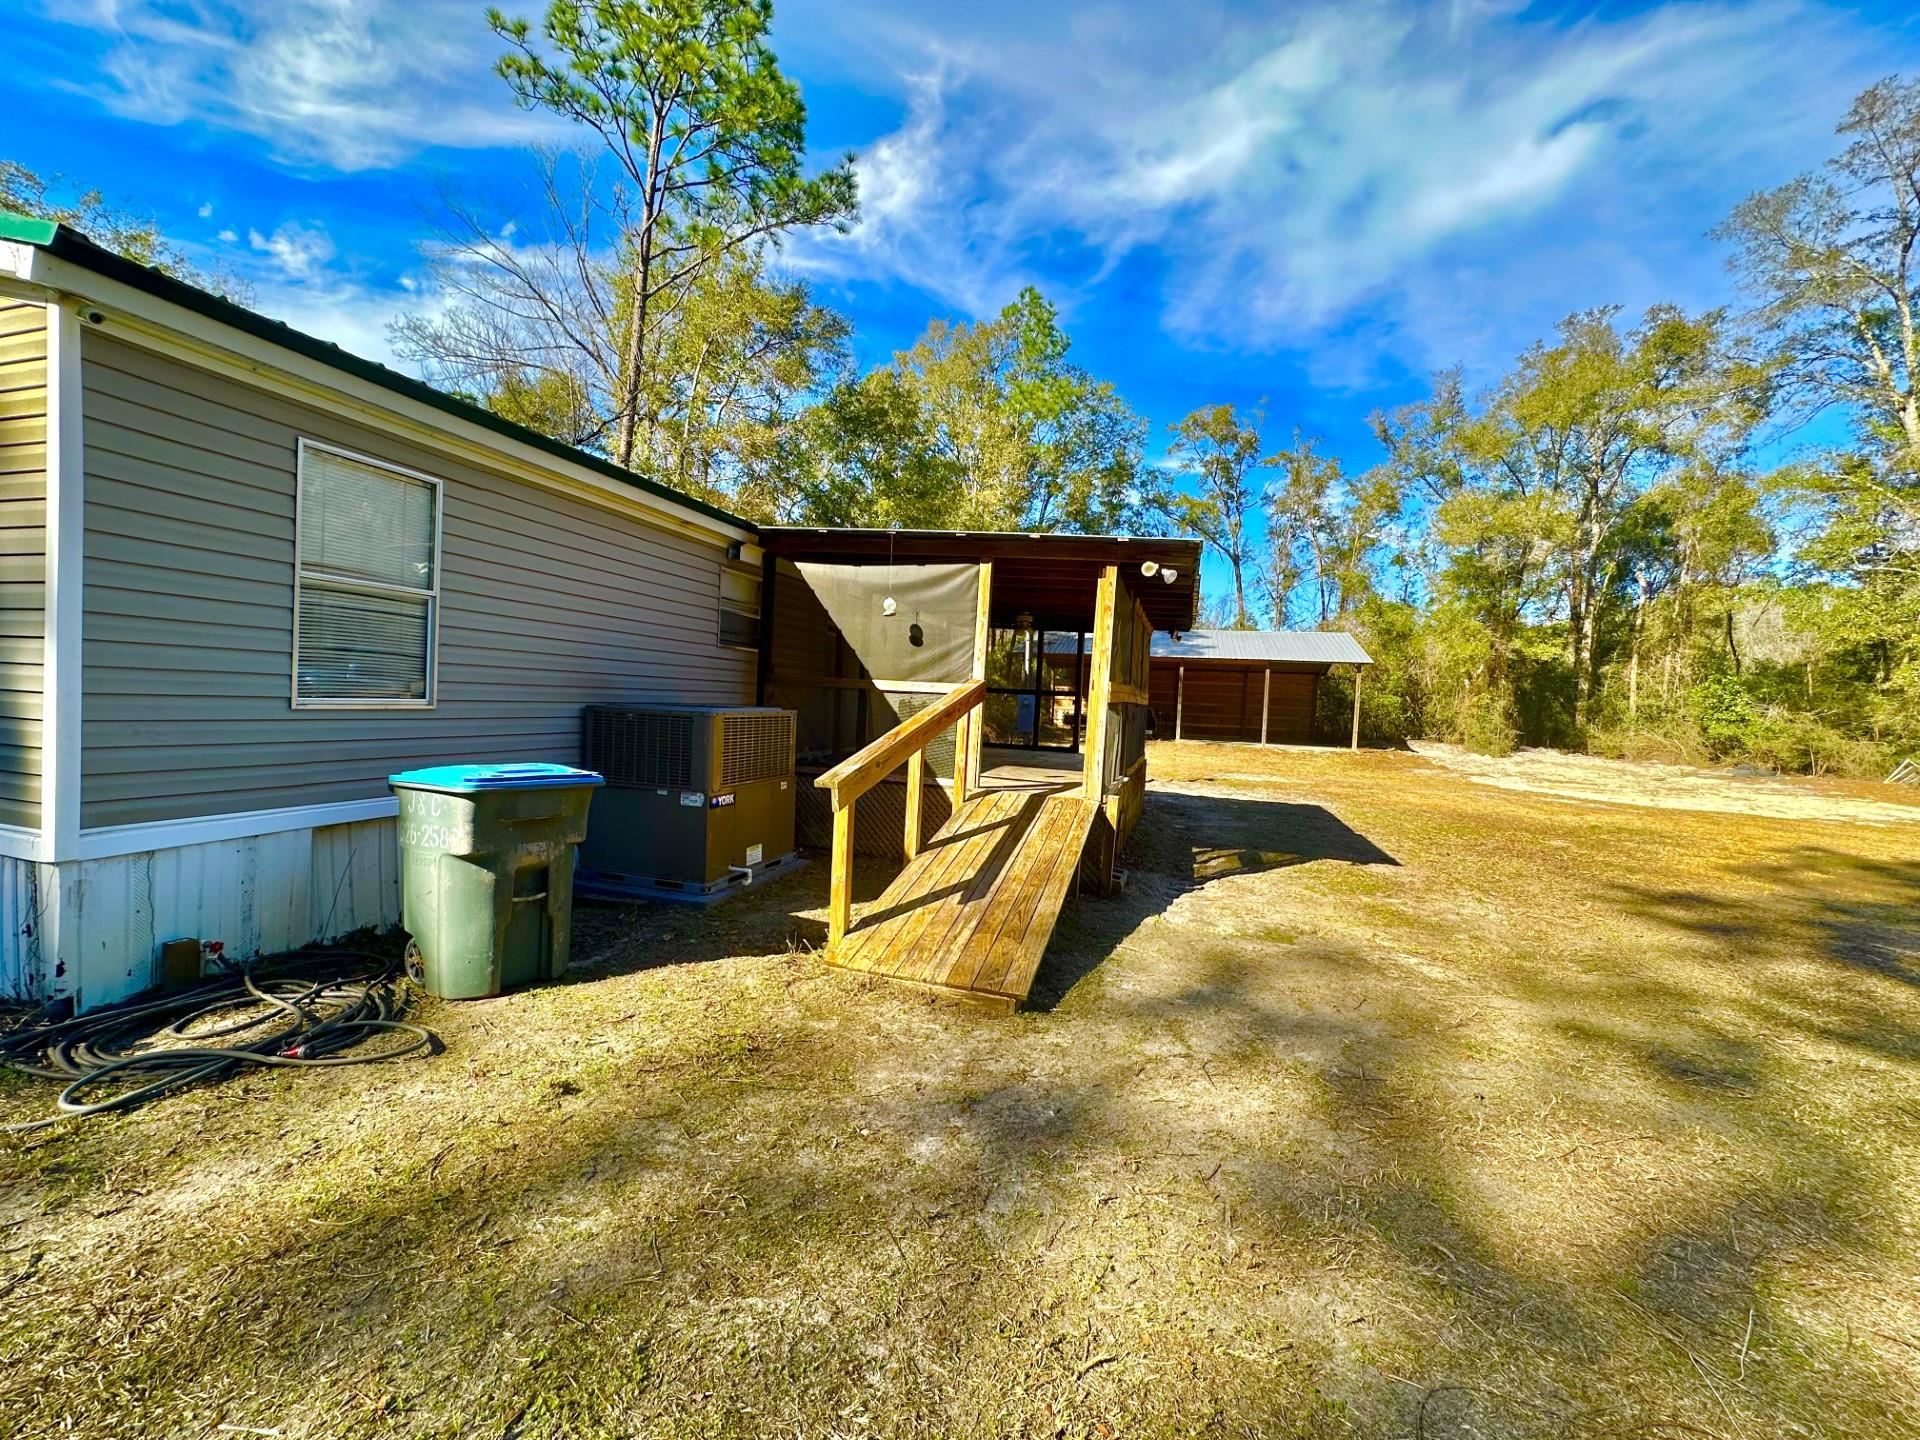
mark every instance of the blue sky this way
{"type": "Point", "coordinates": [1315, 205]}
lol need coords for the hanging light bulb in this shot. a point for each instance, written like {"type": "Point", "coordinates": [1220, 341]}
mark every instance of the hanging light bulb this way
{"type": "Point", "coordinates": [887, 607]}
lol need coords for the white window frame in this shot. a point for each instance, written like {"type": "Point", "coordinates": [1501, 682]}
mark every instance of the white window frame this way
{"type": "Point", "coordinates": [302, 574]}
{"type": "Point", "coordinates": [758, 614]}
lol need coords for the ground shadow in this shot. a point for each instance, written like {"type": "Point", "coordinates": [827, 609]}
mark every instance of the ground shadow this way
{"type": "Point", "coordinates": [1182, 843]}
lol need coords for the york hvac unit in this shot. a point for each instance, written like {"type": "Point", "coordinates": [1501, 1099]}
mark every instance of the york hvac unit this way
{"type": "Point", "coordinates": [698, 800]}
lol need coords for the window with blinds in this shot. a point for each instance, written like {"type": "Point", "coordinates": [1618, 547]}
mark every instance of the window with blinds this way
{"type": "Point", "coordinates": [739, 606]}
{"type": "Point", "coordinates": [368, 582]}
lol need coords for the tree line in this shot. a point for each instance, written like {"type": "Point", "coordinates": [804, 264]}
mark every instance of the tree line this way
{"type": "Point", "coordinates": [1629, 543]}
{"type": "Point", "coordinates": [1626, 543]}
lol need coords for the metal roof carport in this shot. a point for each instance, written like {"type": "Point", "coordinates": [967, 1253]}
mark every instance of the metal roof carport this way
{"type": "Point", "coordinates": [1254, 686]}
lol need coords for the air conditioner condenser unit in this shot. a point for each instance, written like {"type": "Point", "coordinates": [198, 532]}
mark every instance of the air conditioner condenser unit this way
{"type": "Point", "coordinates": [699, 800]}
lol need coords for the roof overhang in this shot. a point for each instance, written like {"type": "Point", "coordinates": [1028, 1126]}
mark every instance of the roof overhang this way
{"type": "Point", "coordinates": [1317, 648]}
{"type": "Point", "coordinates": [1050, 577]}
{"type": "Point", "coordinates": [40, 259]}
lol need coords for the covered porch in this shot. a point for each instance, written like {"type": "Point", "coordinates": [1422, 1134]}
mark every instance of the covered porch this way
{"type": "Point", "coordinates": [934, 731]}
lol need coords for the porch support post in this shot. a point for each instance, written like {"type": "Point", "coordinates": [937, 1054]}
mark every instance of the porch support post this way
{"type": "Point", "coordinates": [1179, 701]}
{"type": "Point", "coordinates": [1358, 671]}
{"type": "Point", "coordinates": [975, 733]}
{"type": "Point", "coordinates": [1100, 687]}
{"type": "Point", "coordinates": [1266, 700]}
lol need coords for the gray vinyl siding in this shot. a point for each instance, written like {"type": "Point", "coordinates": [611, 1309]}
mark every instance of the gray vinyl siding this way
{"type": "Point", "coordinates": [23, 555]}
{"type": "Point", "coordinates": [547, 604]}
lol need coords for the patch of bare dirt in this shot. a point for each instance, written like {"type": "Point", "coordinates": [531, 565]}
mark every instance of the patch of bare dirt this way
{"type": "Point", "coordinates": [1676, 787]}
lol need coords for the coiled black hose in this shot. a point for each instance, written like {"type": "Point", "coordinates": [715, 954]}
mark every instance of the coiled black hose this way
{"type": "Point", "coordinates": [300, 1011]}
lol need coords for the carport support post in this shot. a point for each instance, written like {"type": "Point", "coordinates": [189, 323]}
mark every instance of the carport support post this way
{"type": "Point", "coordinates": [1357, 673]}
{"type": "Point", "coordinates": [1266, 700]}
{"type": "Point", "coordinates": [1179, 701]}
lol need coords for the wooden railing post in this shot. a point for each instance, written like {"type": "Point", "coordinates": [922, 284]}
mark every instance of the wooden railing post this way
{"type": "Point", "coordinates": [962, 752]}
{"type": "Point", "coordinates": [916, 786]}
{"type": "Point", "coordinates": [840, 884]}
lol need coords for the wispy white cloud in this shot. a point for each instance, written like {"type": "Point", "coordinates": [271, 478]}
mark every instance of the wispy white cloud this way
{"type": "Point", "coordinates": [353, 314]}
{"type": "Point", "coordinates": [1285, 176]}
{"type": "Point", "coordinates": [297, 250]}
{"type": "Point", "coordinates": [348, 84]}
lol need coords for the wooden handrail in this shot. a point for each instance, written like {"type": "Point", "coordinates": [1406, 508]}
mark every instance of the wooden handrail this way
{"type": "Point", "coordinates": [905, 744]}
{"type": "Point", "coordinates": [866, 768]}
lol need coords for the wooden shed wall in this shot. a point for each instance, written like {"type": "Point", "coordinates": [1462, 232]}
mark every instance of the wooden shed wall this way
{"type": "Point", "coordinates": [1223, 700]}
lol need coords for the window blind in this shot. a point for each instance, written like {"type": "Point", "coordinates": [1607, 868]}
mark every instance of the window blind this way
{"type": "Point", "coordinates": [368, 582]}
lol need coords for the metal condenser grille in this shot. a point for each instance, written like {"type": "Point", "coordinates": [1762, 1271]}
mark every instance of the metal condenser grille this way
{"type": "Point", "coordinates": [755, 747]}
{"type": "Point", "coordinates": [640, 747]}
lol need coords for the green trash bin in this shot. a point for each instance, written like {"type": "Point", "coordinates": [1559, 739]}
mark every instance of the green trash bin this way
{"type": "Point", "coordinates": [486, 871]}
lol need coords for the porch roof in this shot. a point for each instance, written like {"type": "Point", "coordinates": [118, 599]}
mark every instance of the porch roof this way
{"type": "Point", "coordinates": [1051, 578]}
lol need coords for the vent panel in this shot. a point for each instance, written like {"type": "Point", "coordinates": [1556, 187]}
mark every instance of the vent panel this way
{"type": "Point", "coordinates": [755, 747]}
{"type": "Point", "coordinates": [640, 747]}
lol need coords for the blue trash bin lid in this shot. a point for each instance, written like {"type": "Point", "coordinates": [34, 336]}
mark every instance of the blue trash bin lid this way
{"type": "Point", "coordinates": [470, 779]}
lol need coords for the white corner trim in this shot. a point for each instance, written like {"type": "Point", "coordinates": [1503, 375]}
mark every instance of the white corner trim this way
{"type": "Point", "coordinates": [65, 536]}
{"type": "Point", "coordinates": [109, 840]}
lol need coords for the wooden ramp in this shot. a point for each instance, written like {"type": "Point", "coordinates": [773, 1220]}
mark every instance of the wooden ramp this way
{"type": "Point", "coordinates": [972, 913]}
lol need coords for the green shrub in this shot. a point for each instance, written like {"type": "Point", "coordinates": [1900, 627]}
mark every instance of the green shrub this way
{"type": "Point", "coordinates": [1485, 726]}
{"type": "Point", "coordinates": [1796, 742]}
{"type": "Point", "coordinates": [1664, 740]}
{"type": "Point", "coordinates": [1725, 713]}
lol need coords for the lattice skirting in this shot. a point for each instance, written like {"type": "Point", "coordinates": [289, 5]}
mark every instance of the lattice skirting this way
{"type": "Point", "coordinates": [879, 818]}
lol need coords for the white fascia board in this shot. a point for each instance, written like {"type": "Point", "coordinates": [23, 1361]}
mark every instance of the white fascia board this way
{"type": "Point", "coordinates": [155, 324]}
{"type": "Point", "coordinates": [110, 840]}
{"type": "Point", "coordinates": [16, 264]}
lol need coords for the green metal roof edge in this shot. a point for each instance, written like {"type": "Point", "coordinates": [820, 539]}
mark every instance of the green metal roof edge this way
{"type": "Point", "coordinates": [70, 245]}
{"type": "Point", "coordinates": [26, 229]}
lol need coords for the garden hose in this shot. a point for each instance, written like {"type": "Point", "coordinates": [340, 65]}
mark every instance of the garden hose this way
{"type": "Point", "coordinates": [300, 1010]}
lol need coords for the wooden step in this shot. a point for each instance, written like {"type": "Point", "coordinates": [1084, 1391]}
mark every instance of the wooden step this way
{"type": "Point", "coordinates": [972, 913]}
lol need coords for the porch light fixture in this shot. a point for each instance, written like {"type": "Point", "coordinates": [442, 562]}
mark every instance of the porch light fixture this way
{"type": "Point", "coordinates": [1147, 567]}
{"type": "Point", "coordinates": [887, 605]}
{"type": "Point", "coordinates": [1023, 621]}
{"type": "Point", "coordinates": [1169, 576]}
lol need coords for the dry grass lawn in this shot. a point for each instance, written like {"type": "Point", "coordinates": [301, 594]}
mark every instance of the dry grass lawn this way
{"type": "Point", "coordinates": [1385, 1103]}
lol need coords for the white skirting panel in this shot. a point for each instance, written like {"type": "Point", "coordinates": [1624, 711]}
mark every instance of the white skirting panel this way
{"type": "Point", "coordinates": [239, 898]}
{"type": "Point", "coordinates": [356, 878]}
{"type": "Point", "coordinates": [22, 974]}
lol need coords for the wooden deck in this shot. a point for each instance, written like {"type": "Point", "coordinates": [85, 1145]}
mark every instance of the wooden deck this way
{"type": "Point", "coordinates": [972, 913]}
